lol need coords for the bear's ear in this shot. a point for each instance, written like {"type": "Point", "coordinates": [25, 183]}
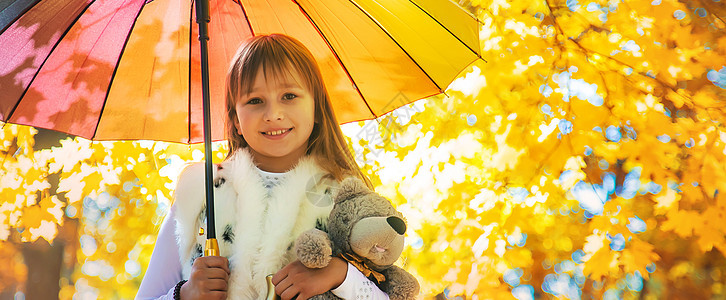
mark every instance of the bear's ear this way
{"type": "Point", "coordinates": [350, 187]}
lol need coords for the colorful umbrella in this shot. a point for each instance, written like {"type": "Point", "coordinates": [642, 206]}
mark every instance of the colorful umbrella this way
{"type": "Point", "coordinates": [132, 69]}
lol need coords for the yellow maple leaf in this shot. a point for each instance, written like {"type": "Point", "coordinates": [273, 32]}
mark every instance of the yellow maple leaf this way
{"type": "Point", "coordinates": [666, 201]}
{"type": "Point", "coordinates": [601, 263]}
{"type": "Point", "coordinates": [637, 255]}
{"type": "Point", "coordinates": [709, 237]}
{"type": "Point", "coordinates": [682, 222]}
{"type": "Point", "coordinates": [32, 216]}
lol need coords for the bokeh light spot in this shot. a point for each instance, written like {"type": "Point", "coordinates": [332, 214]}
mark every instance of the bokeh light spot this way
{"type": "Point", "coordinates": [690, 143]}
{"type": "Point", "coordinates": [573, 5]}
{"type": "Point", "coordinates": [471, 120]}
{"type": "Point", "coordinates": [132, 268]}
{"type": "Point", "coordinates": [617, 242]}
{"type": "Point", "coordinates": [650, 268]}
{"type": "Point", "coordinates": [591, 197]}
{"type": "Point", "coordinates": [578, 255]}
{"type": "Point", "coordinates": [88, 245]}
{"type": "Point", "coordinates": [701, 12]}
{"type": "Point", "coordinates": [565, 126]}
{"type": "Point", "coordinates": [679, 14]}
{"type": "Point", "coordinates": [523, 292]}
{"type": "Point", "coordinates": [613, 134]}
{"type": "Point", "coordinates": [71, 211]}
{"type": "Point", "coordinates": [547, 110]}
{"type": "Point", "coordinates": [636, 225]}
{"type": "Point", "coordinates": [512, 276]}
{"type": "Point", "coordinates": [634, 281]}
{"type": "Point", "coordinates": [718, 78]}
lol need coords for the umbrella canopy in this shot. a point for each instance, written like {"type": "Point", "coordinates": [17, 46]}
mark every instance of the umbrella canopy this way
{"type": "Point", "coordinates": [130, 69]}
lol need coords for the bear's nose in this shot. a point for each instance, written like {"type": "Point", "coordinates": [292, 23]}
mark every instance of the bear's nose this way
{"type": "Point", "coordinates": [397, 224]}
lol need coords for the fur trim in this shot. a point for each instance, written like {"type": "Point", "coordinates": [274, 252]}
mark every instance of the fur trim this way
{"type": "Point", "coordinates": [258, 226]}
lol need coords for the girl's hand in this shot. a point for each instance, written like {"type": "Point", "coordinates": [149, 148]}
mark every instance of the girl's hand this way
{"type": "Point", "coordinates": [208, 279]}
{"type": "Point", "coordinates": [297, 280]}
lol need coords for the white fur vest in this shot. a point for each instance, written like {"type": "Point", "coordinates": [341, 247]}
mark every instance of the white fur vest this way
{"type": "Point", "coordinates": [256, 226]}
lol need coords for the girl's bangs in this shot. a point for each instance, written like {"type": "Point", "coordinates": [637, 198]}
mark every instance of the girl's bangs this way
{"type": "Point", "coordinates": [274, 59]}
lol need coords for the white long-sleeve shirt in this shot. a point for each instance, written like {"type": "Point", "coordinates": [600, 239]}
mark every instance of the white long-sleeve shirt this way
{"type": "Point", "coordinates": [165, 269]}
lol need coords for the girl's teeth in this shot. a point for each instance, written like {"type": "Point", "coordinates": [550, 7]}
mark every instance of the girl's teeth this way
{"type": "Point", "coordinates": [276, 132]}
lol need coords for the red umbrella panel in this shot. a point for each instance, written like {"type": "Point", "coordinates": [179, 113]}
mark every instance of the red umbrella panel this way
{"type": "Point", "coordinates": [107, 70]}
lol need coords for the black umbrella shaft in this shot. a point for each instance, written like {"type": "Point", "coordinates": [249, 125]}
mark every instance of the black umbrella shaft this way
{"type": "Point", "coordinates": [203, 20]}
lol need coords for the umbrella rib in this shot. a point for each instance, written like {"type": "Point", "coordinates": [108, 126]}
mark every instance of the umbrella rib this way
{"type": "Point", "coordinates": [115, 68]}
{"type": "Point", "coordinates": [397, 44]}
{"type": "Point", "coordinates": [189, 75]}
{"type": "Point", "coordinates": [15, 107]}
{"type": "Point", "coordinates": [345, 69]}
{"type": "Point", "coordinates": [244, 11]}
{"type": "Point", "coordinates": [447, 29]}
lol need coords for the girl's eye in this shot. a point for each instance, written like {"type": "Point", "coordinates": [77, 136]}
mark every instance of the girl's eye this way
{"type": "Point", "coordinates": [289, 96]}
{"type": "Point", "coordinates": [254, 101]}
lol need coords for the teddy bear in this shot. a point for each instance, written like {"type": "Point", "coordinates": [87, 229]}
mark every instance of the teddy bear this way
{"type": "Point", "coordinates": [366, 230]}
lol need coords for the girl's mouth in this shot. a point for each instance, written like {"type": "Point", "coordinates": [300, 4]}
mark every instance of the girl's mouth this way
{"type": "Point", "coordinates": [277, 134]}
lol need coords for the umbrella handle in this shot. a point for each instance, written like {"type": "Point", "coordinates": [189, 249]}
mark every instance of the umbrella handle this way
{"type": "Point", "coordinates": [211, 248]}
{"type": "Point", "coordinates": [271, 289]}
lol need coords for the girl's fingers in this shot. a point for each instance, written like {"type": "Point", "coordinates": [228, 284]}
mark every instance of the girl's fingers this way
{"type": "Point", "coordinates": [280, 275]}
{"type": "Point", "coordinates": [282, 286]}
{"type": "Point", "coordinates": [216, 273]}
{"type": "Point", "coordinates": [209, 278]}
{"type": "Point", "coordinates": [216, 295]}
{"type": "Point", "coordinates": [289, 293]}
{"type": "Point", "coordinates": [215, 262]}
{"type": "Point", "coordinates": [216, 285]}
{"type": "Point", "coordinates": [209, 274]}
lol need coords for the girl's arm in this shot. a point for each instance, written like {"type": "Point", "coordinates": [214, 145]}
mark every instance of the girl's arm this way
{"type": "Point", "coordinates": [343, 279]}
{"type": "Point", "coordinates": [165, 269]}
{"type": "Point", "coordinates": [357, 286]}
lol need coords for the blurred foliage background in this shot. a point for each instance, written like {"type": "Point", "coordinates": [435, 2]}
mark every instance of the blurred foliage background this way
{"type": "Point", "coordinates": [585, 159]}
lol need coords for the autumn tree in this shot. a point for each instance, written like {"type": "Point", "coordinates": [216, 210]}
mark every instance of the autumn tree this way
{"type": "Point", "coordinates": [103, 201]}
{"type": "Point", "coordinates": [583, 158]}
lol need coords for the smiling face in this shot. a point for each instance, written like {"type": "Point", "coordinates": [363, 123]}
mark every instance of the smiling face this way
{"type": "Point", "coordinates": [276, 118]}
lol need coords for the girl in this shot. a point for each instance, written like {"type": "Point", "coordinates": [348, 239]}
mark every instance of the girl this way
{"type": "Point", "coordinates": [287, 155]}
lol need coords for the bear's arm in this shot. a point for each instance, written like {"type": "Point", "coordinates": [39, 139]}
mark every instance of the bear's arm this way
{"type": "Point", "coordinates": [313, 248]}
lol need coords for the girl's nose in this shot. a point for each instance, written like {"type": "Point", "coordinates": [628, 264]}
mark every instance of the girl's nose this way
{"type": "Point", "coordinates": [273, 112]}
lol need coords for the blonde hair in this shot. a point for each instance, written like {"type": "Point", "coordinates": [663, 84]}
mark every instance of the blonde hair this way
{"type": "Point", "coordinates": [279, 53]}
